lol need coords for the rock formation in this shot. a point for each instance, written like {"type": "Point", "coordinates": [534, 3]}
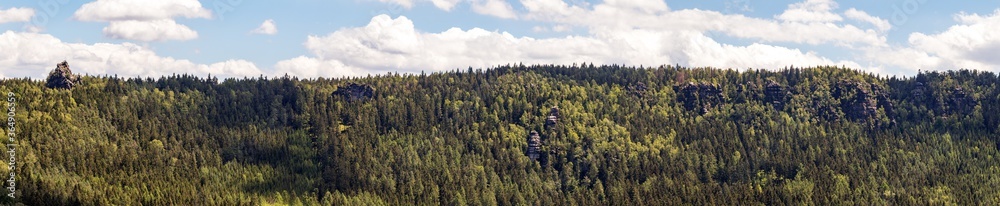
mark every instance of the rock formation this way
{"type": "Point", "coordinates": [774, 93]}
{"type": "Point", "coordinates": [534, 145]}
{"type": "Point", "coordinates": [700, 97]}
{"type": "Point", "coordinates": [861, 107]}
{"type": "Point", "coordinates": [62, 77]}
{"type": "Point", "coordinates": [553, 118]}
{"type": "Point", "coordinates": [689, 96]}
{"type": "Point", "coordinates": [354, 92]}
{"type": "Point", "coordinates": [883, 102]}
{"type": "Point", "coordinates": [860, 101]}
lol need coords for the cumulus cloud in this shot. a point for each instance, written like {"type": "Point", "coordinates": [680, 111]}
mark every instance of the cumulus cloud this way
{"type": "Point", "coordinates": [441, 4]}
{"type": "Point", "coordinates": [556, 28]}
{"type": "Point", "coordinates": [144, 20]}
{"type": "Point", "coordinates": [155, 30]}
{"type": "Point", "coordinates": [810, 22]}
{"type": "Point", "coordinates": [34, 55]}
{"type": "Point", "coordinates": [703, 51]}
{"type": "Point", "coordinates": [388, 44]}
{"type": "Point", "coordinates": [313, 67]}
{"type": "Point", "coordinates": [811, 11]}
{"type": "Point", "coordinates": [268, 28]}
{"type": "Point", "coordinates": [403, 3]}
{"type": "Point", "coordinates": [445, 4]}
{"type": "Point", "coordinates": [627, 32]}
{"type": "Point", "coordinates": [643, 6]}
{"type": "Point", "coordinates": [119, 10]}
{"type": "Point", "coordinates": [497, 8]}
{"type": "Point", "coordinates": [971, 44]}
{"type": "Point", "coordinates": [881, 24]}
{"type": "Point", "coordinates": [16, 15]}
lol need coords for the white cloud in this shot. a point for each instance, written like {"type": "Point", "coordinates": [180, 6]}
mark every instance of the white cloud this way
{"type": "Point", "coordinates": [810, 22]}
{"type": "Point", "coordinates": [966, 18]}
{"type": "Point", "coordinates": [388, 44]}
{"type": "Point", "coordinates": [228, 68]}
{"type": "Point", "coordinates": [556, 28]}
{"type": "Point", "coordinates": [971, 44]}
{"type": "Point", "coordinates": [34, 55]}
{"type": "Point", "coordinates": [552, 10]}
{"type": "Point", "coordinates": [311, 67]}
{"type": "Point", "coordinates": [445, 4]}
{"type": "Point", "coordinates": [710, 53]}
{"type": "Point", "coordinates": [404, 3]}
{"type": "Point", "coordinates": [156, 30]}
{"type": "Point", "coordinates": [16, 15]}
{"type": "Point", "coordinates": [440, 4]}
{"type": "Point", "coordinates": [268, 28]}
{"type": "Point", "coordinates": [33, 29]}
{"type": "Point", "coordinates": [644, 6]}
{"type": "Point", "coordinates": [881, 24]}
{"type": "Point", "coordinates": [497, 8]}
{"type": "Point", "coordinates": [561, 28]}
{"type": "Point", "coordinates": [144, 20]}
{"type": "Point", "coordinates": [811, 11]}
{"type": "Point", "coordinates": [143, 10]}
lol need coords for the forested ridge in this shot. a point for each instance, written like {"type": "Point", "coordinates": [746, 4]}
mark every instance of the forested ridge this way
{"type": "Point", "coordinates": [623, 136]}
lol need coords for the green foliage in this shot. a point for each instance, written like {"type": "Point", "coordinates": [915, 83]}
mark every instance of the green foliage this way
{"type": "Point", "coordinates": [459, 138]}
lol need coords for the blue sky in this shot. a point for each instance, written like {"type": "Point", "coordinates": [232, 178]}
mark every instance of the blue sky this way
{"type": "Point", "coordinates": [312, 38]}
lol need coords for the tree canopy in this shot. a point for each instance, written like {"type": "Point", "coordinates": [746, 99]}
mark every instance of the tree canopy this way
{"type": "Point", "coordinates": [622, 136]}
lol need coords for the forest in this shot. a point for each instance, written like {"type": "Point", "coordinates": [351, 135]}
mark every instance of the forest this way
{"type": "Point", "coordinates": [513, 135]}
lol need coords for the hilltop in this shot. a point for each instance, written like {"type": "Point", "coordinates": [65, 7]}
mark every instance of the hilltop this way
{"type": "Point", "coordinates": [621, 136]}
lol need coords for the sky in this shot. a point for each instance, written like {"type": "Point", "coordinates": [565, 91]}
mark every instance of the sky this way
{"type": "Point", "coordinates": [314, 38]}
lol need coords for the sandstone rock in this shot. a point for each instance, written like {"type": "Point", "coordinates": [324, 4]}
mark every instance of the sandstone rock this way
{"type": "Point", "coordinates": [774, 93]}
{"type": "Point", "coordinates": [961, 102]}
{"type": "Point", "coordinates": [534, 145]}
{"type": "Point", "coordinates": [861, 101]}
{"type": "Point", "coordinates": [862, 107]}
{"type": "Point", "coordinates": [700, 97]}
{"type": "Point", "coordinates": [553, 118]}
{"type": "Point", "coordinates": [354, 92]}
{"type": "Point", "coordinates": [62, 77]}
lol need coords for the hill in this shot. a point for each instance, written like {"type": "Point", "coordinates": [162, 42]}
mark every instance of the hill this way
{"type": "Point", "coordinates": [621, 136]}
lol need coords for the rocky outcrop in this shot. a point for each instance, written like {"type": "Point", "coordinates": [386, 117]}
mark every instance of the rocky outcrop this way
{"type": "Point", "coordinates": [746, 92]}
{"type": "Point", "coordinates": [62, 77]}
{"type": "Point", "coordinates": [861, 101]}
{"type": "Point", "coordinates": [885, 103]}
{"type": "Point", "coordinates": [355, 92]}
{"type": "Point", "coordinates": [534, 145]}
{"type": "Point", "coordinates": [700, 97]}
{"type": "Point", "coordinates": [861, 107]}
{"type": "Point", "coordinates": [553, 118]}
{"type": "Point", "coordinates": [775, 94]}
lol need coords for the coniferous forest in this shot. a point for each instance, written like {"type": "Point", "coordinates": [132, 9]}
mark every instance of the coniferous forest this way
{"type": "Point", "coordinates": [603, 135]}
